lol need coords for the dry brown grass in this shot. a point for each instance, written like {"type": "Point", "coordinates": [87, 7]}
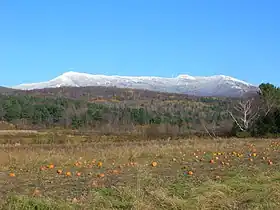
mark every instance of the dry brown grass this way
{"type": "Point", "coordinates": [12, 132]}
{"type": "Point", "coordinates": [233, 181]}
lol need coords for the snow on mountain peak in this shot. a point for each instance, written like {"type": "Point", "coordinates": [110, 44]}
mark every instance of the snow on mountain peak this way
{"type": "Point", "coordinates": [185, 76]}
{"type": "Point", "coordinates": [73, 73]}
{"type": "Point", "coordinates": [218, 85]}
{"type": "Point", "coordinates": [233, 79]}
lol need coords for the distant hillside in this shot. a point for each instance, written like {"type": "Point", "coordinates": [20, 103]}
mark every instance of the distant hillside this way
{"type": "Point", "coordinates": [106, 93]}
{"type": "Point", "coordinates": [113, 95]}
{"type": "Point", "coordinates": [6, 90]}
{"type": "Point", "coordinates": [114, 110]}
{"type": "Point", "coordinates": [111, 110]}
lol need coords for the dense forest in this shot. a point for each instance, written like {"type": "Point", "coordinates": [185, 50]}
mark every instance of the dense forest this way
{"type": "Point", "coordinates": [115, 110]}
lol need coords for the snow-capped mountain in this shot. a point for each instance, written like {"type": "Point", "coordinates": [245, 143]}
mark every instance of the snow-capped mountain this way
{"type": "Point", "coordinates": [218, 85]}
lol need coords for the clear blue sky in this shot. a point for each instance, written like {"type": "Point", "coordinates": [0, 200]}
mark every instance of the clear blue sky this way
{"type": "Point", "coordinates": [40, 40]}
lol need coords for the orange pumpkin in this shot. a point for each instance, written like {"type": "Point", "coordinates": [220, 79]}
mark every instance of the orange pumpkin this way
{"type": "Point", "coordinates": [68, 173]}
{"type": "Point", "coordinates": [59, 171]}
{"type": "Point", "coordinates": [154, 163]}
{"type": "Point", "coordinates": [101, 175]}
{"type": "Point", "coordinates": [12, 174]}
{"type": "Point", "coordinates": [77, 163]}
{"type": "Point", "coordinates": [51, 166]}
{"type": "Point", "coordinates": [190, 173]}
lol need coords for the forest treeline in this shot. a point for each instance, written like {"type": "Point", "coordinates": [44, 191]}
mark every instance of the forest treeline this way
{"type": "Point", "coordinates": [42, 112]}
{"type": "Point", "coordinates": [258, 115]}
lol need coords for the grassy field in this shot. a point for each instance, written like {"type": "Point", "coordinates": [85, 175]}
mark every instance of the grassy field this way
{"type": "Point", "coordinates": [122, 174]}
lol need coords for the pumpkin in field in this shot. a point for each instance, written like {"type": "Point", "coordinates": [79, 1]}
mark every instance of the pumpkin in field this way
{"type": "Point", "coordinates": [51, 166]}
{"type": "Point", "coordinates": [68, 173]}
{"type": "Point", "coordinates": [12, 174]}
{"type": "Point", "coordinates": [154, 163]}
{"type": "Point", "coordinates": [78, 163]}
{"type": "Point", "coordinates": [190, 173]}
{"type": "Point", "coordinates": [99, 164]}
{"type": "Point", "coordinates": [101, 175]}
{"type": "Point", "coordinates": [59, 171]}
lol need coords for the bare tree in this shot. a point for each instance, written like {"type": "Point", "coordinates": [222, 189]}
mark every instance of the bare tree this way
{"type": "Point", "coordinates": [211, 132]}
{"type": "Point", "coordinates": [244, 113]}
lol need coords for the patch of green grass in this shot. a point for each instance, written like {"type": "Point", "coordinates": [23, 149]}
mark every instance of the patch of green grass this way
{"type": "Point", "coordinates": [113, 198]}
{"type": "Point", "coordinates": [30, 203]}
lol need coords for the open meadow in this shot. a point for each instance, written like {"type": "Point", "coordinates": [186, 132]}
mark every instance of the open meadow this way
{"type": "Point", "coordinates": [139, 105]}
{"type": "Point", "coordinates": [63, 171]}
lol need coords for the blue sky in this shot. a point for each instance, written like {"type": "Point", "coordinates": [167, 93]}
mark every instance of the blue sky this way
{"type": "Point", "coordinates": [40, 40]}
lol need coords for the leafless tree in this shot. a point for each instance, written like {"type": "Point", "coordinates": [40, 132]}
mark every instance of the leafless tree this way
{"type": "Point", "coordinates": [211, 132]}
{"type": "Point", "coordinates": [244, 113]}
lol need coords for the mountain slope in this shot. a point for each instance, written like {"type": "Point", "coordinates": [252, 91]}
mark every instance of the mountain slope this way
{"type": "Point", "coordinates": [5, 90]}
{"type": "Point", "coordinates": [218, 85]}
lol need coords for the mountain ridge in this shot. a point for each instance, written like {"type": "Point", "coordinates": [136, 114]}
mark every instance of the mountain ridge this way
{"type": "Point", "coordinates": [5, 89]}
{"type": "Point", "coordinates": [216, 85]}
